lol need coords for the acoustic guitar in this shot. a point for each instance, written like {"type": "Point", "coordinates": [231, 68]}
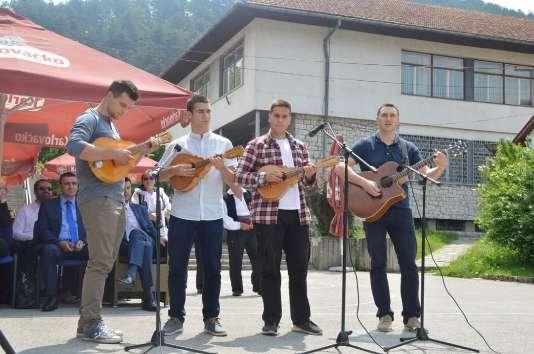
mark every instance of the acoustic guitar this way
{"type": "Point", "coordinates": [390, 181]}
{"type": "Point", "coordinates": [273, 191]}
{"type": "Point", "coordinates": [201, 166]}
{"type": "Point", "coordinates": [108, 171]}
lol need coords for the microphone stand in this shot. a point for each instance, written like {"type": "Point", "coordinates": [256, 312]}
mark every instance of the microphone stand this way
{"type": "Point", "coordinates": [5, 344]}
{"type": "Point", "coordinates": [342, 339]}
{"type": "Point", "coordinates": [158, 337]}
{"type": "Point", "coordinates": [422, 333]}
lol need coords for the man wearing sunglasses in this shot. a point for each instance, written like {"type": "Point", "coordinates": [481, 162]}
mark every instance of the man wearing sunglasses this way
{"type": "Point", "coordinates": [24, 245]}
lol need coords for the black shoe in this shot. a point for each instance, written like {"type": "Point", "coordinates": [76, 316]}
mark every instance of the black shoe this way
{"type": "Point", "coordinates": [237, 293]}
{"type": "Point", "coordinates": [199, 291]}
{"type": "Point", "coordinates": [127, 281]}
{"type": "Point", "coordinates": [149, 305]}
{"type": "Point", "coordinates": [270, 330]}
{"type": "Point", "coordinates": [50, 303]}
{"type": "Point", "coordinates": [308, 328]}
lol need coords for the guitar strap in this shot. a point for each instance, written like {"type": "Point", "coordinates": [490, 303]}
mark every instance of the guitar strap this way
{"type": "Point", "coordinates": [404, 150]}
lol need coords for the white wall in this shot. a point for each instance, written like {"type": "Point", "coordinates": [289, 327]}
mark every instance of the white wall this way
{"type": "Point", "coordinates": [237, 102]}
{"type": "Point", "coordinates": [285, 60]}
{"type": "Point", "coordinates": [354, 90]}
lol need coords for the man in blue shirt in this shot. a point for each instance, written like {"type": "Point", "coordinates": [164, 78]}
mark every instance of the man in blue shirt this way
{"type": "Point", "coordinates": [377, 149]}
{"type": "Point", "coordinates": [60, 234]}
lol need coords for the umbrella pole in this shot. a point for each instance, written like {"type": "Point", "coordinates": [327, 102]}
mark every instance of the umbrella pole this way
{"type": "Point", "coordinates": [3, 119]}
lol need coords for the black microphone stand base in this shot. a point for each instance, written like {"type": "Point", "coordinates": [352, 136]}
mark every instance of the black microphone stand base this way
{"type": "Point", "coordinates": [342, 340]}
{"type": "Point", "coordinates": [421, 334]}
{"type": "Point", "coordinates": [158, 340]}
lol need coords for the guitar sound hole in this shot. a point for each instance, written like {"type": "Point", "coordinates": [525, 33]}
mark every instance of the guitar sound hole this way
{"type": "Point", "coordinates": [386, 182]}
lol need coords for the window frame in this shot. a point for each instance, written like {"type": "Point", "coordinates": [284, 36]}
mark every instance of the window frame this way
{"type": "Point", "coordinates": [223, 90]}
{"type": "Point", "coordinates": [203, 75]}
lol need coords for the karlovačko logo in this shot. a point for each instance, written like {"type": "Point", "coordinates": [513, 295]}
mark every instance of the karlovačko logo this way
{"type": "Point", "coordinates": [17, 48]}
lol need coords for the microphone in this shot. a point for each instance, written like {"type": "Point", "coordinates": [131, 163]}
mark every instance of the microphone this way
{"type": "Point", "coordinates": [165, 163]}
{"type": "Point", "coordinates": [316, 130]}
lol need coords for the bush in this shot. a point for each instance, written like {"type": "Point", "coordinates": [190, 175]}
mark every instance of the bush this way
{"type": "Point", "coordinates": [507, 199]}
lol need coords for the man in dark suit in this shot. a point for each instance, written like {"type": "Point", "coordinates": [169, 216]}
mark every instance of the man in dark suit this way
{"type": "Point", "coordinates": [60, 234]}
{"type": "Point", "coordinates": [138, 245]}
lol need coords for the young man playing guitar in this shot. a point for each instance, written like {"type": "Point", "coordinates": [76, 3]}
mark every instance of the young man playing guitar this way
{"type": "Point", "coordinates": [377, 149]}
{"type": "Point", "coordinates": [197, 213]}
{"type": "Point", "coordinates": [282, 224]}
{"type": "Point", "coordinates": [101, 204]}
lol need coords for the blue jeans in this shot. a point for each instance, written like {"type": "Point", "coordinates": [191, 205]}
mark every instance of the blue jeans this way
{"type": "Point", "coordinates": [209, 236]}
{"type": "Point", "coordinates": [398, 223]}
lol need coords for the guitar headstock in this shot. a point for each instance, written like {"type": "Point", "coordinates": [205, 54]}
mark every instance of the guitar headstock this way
{"type": "Point", "coordinates": [164, 137]}
{"type": "Point", "coordinates": [456, 149]}
{"type": "Point", "coordinates": [234, 152]}
{"type": "Point", "coordinates": [329, 161]}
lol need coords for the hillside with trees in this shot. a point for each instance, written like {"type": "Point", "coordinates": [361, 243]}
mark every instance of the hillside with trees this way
{"type": "Point", "coordinates": [151, 34]}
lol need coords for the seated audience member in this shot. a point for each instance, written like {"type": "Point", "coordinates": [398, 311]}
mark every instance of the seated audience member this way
{"type": "Point", "coordinates": [60, 235]}
{"type": "Point", "coordinates": [240, 236]}
{"type": "Point", "coordinates": [24, 244]}
{"type": "Point", "coordinates": [5, 221]}
{"type": "Point", "coordinates": [138, 245]}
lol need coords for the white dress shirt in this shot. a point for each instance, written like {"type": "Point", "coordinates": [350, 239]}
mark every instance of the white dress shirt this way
{"type": "Point", "coordinates": [204, 201]}
{"type": "Point", "coordinates": [150, 199]}
{"type": "Point", "coordinates": [24, 221]}
{"type": "Point", "coordinates": [241, 210]}
{"type": "Point", "coordinates": [131, 221]}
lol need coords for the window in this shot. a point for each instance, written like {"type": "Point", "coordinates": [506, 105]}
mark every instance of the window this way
{"type": "Point", "coordinates": [200, 84]}
{"type": "Point", "coordinates": [466, 79]}
{"type": "Point", "coordinates": [518, 84]}
{"type": "Point", "coordinates": [488, 81]}
{"type": "Point", "coordinates": [416, 73]}
{"type": "Point", "coordinates": [232, 69]}
{"type": "Point", "coordinates": [447, 77]}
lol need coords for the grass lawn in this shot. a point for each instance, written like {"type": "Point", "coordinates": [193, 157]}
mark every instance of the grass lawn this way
{"type": "Point", "coordinates": [486, 258]}
{"type": "Point", "coordinates": [437, 239]}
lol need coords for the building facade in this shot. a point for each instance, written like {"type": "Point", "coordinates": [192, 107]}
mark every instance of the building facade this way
{"type": "Point", "coordinates": [338, 64]}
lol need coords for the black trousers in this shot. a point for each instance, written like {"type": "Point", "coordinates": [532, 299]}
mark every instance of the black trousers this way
{"type": "Point", "coordinates": [290, 236]}
{"type": "Point", "coordinates": [238, 241]}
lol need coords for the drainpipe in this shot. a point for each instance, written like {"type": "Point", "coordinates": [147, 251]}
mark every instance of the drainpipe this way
{"type": "Point", "coordinates": [326, 50]}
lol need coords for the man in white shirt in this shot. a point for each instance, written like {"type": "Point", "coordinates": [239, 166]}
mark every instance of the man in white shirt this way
{"type": "Point", "coordinates": [24, 243]}
{"type": "Point", "coordinates": [27, 215]}
{"type": "Point", "coordinates": [197, 213]}
{"type": "Point", "coordinates": [240, 236]}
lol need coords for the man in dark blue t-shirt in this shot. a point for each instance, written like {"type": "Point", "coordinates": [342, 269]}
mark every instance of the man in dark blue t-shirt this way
{"type": "Point", "coordinates": [377, 149]}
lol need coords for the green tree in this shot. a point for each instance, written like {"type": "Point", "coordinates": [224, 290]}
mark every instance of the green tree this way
{"type": "Point", "coordinates": [507, 199]}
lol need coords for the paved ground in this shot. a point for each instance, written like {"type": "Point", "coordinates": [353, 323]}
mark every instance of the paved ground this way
{"type": "Point", "coordinates": [503, 312]}
{"type": "Point", "coordinates": [449, 253]}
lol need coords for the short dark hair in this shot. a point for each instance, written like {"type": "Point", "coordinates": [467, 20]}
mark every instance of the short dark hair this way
{"type": "Point", "coordinates": [38, 182]}
{"type": "Point", "coordinates": [280, 103]}
{"type": "Point", "coordinates": [194, 100]}
{"type": "Point", "coordinates": [65, 175]}
{"type": "Point", "coordinates": [127, 179]}
{"type": "Point", "coordinates": [384, 105]}
{"type": "Point", "coordinates": [118, 87]}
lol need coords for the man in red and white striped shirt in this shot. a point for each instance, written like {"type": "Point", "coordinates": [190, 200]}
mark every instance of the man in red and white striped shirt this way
{"type": "Point", "coordinates": [283, 224]}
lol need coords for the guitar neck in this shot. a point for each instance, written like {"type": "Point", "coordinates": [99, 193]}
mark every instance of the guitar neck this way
{"type": "Point", "coordinates": [201, 163]}
{"type": "Point", "coordinates": [299, 170]}
{"type": "Point", "coordinates": [416, 166]}
{"type": "Point", "coordinates": [139, 148]}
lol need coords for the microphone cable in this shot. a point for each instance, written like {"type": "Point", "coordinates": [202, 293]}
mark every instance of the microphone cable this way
{"type": "Point", "coordinates": [443, 278]}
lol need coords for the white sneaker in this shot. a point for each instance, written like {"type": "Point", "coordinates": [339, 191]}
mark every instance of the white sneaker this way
{"type": "Point", "coordinates": [384, 324]}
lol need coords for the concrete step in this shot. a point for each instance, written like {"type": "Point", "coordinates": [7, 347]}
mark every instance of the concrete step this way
{"type": "Point", "coordinates": [225, 260]}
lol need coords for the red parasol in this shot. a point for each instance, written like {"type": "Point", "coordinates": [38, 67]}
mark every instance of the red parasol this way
{"type": "Point", "coordinates": [65, 163]}
{"type": "Point", "coordinates": [47, 80]}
